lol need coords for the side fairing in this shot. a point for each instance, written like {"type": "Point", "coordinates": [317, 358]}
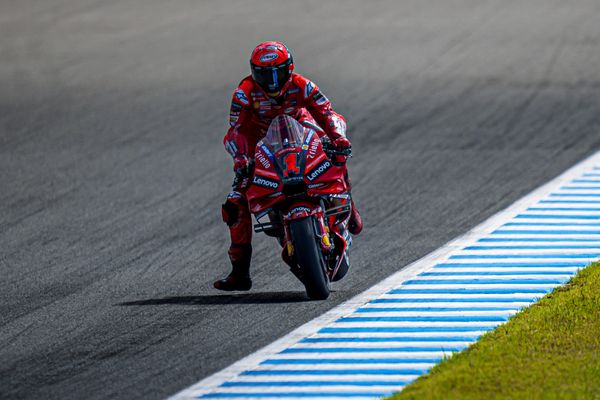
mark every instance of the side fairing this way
{"type": "Point", "coordinates": [266, 186]}
{"type": "Point", "coordinates": [320, 175]}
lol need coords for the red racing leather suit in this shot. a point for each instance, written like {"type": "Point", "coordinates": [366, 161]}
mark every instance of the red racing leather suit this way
{"type": "Point", "coordinates": [250, 116]}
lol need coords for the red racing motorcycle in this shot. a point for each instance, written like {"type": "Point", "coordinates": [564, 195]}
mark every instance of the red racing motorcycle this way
{"type": "Point", "coordinates": [300, 188]}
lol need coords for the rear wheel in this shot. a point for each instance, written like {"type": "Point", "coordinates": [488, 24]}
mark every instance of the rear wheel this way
{"type": "Point", "coordinates": [309, 257]}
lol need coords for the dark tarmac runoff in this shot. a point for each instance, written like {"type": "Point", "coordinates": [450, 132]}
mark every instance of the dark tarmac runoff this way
{"type": "Point", "coordinates": [112, 115]}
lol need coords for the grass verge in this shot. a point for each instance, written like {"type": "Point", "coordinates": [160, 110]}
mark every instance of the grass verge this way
{"type": "Point", "coordinates": [550, 350]}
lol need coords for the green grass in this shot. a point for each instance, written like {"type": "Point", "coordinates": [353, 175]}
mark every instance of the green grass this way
{"type": "Point", "coordinates": [550, 350]}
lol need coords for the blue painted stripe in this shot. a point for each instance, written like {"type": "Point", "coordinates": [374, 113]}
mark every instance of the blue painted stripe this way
{"type": "Point", "coordinates": [499, 273]}
{"type": "Point", "coordinates": [496, 256]}
{"type": "Point", "coordinates": [496, 240]}
{"type": "Point", "coordinates": [553, 223]}
{"type": "Point", "coordinates": [407, 349]}
{"type": "Point", "coordinates": [355, 371]}
{"type": "Point", "coordinates": [311, 361]}
{"type": "Point", "coordinates": [570, 201]}
{"type": "Point", "coordinates": [574, 195]}
{"type": "Point", "coordinates": [294, 394]}
{"type": "Point", "coordinates": [437, 318]}
{"type": "Point", "coordinates": [408, 329]}
{"type": "Point", "coordinates": [484, 281]}
{"type": "Point", "coordinates": [580, 188]}
{"type": "Point", "coordinates": [432, 309]}
{"type": "Point", "coordinates": [586, 181]}
{"type": "Point", "coordinates": [549, 232]}
{"type": "Point", "coordinates": [563, 208]}
{"type": "Point", "coordinates": [454, 300]}
{"type": "Point", "coordinates": [391, 339]}
{"type": "Point", "coordinates": [591, 174]}
{"type": "Point", "coordinates": [467, 291]}
{"type": "Point", "coordinates": [557, 264]}
{"type": "Point", "coordinates": [536, 247]}
{"type": "Point", "coordinates": [314, 383]}
{"type": "Point", "coordinates": [556, 216]}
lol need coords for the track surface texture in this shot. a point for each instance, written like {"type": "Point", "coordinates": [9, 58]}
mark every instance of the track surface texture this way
{"type": "Point", "coordinates": [113, 172]}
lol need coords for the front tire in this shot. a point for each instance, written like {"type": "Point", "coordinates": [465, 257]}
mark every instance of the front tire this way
{"type": "Point", "coordinates": [309, 257]}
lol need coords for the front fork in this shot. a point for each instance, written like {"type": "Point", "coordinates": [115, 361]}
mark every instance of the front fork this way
{"type": "Point", "coordinates": [321, 231]}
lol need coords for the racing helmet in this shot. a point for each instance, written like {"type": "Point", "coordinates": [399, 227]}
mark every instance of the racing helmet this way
{"type": "Point", "coordinates": [272, 65]}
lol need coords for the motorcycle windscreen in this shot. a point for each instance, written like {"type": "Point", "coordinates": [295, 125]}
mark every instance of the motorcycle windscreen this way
{"type": "Point", "coordinates": [284, 132]}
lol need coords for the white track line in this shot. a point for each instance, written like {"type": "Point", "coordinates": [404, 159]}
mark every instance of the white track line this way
{"type": "Point", "coordinates": [380, 340]}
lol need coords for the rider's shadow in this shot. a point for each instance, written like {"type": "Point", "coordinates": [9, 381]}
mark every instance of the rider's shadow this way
{"type": "Point", "coordinates": [246, 298]}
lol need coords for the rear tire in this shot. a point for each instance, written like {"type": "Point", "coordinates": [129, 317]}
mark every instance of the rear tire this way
{"type": "Point", "coordinates": [308, 254]}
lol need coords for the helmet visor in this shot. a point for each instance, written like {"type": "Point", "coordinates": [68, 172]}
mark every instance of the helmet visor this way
{"type": "Point", "coordinates": [271, 79]}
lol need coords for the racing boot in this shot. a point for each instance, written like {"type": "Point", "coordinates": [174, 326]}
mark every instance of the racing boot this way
{"type": "Point", "coordinates": [239, 278]}
{"type": "Point", "coordinates": [355, 224]}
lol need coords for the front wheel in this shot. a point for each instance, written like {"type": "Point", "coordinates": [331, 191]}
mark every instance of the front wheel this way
{"type": "Point", "coordinates": [309, 257]}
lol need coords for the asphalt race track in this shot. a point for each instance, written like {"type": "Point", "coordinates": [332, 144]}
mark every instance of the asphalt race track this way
{"type": "Point", "coordinates": [113, 171]}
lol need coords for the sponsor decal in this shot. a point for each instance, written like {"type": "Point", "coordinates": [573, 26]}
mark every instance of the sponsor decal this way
{"type": "Point", "coordinates": [315, 185]}
{"type": "Point", "coordinates": [264, 182]}
{"type": "Point", "coordinates": [234, 195]}
{"type": "Point", "coordinates": [263, 160]}
{"type": "Point", "coordinates": [308, 89]}
{"type": "Point", "coordinates": [288, 110]}
{"type": "Point", "coordinates": [318, 170]}
{"type": "Point", "coordinates": [262, 111]}
{"type": "Point", "coordinates": [268, 57]}
{"type": "Point", "coordinates": [299, 210]}
{"type": "Point", "coordinates": [233, 119]}
{"type": "Point", "coordinates": [236, 107]}
{"type": "Point", "coordinates": [241, 96]}
{"type": "Point", "coordinates": [304, 147]}
{"type": "Point", "coordinates": [272, 47]}
{"type": "Point", "coordinates": [265, 149]}
{"type": "Point", "coordinates": [231, 147]}
{"type": "Point", "coordinates": [265, 103]}
{"type": "Point", "coordinates": [293, 102]}
{"type": "Point", "coordinates": [338, 125]}
{"type": "Point", "coordinates": [256, 105]}
{"type": "Point", "coordinates": [320, 98]}
{"type": "Point", "coordinates": [293, 90]}
{"type": "Point", "coordinates": [272, 195]}
{"type": "Point", "coordinates": [312, 151]}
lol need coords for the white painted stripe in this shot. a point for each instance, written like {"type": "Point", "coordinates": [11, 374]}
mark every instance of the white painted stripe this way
{"type": "Point", "coordinates": [430, 313]}
{"type": "Point", "coordinates": [413, 335]}
{"type": "Point", "coordinates": [373, 357]}
{"type": "Point", "coordinates": [341, 367]}
{"type": "Point", "coordinates": [532, 270]}
{"type": "Point", "coordinates": [447, 305]}
{"type": "Point", "coordinates": [393, 319]}
{"type": "Point", "coordinates": [367, 345]}
{"type": "Point", "coordinates": [530, 275]}
{"type": "Point", "coordinates": [296, 378]}
{"type": "Point", "coordinates": [465, 296]}
{"type": "Point", "coordinates": [310, 389]}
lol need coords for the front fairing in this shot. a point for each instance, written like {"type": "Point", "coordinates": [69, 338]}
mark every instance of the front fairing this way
{"type": "Point", "coordinates": [282, 173]}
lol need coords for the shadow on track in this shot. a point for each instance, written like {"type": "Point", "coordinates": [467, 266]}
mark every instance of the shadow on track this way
{"type": "Point", "coordinates": [250, 298]}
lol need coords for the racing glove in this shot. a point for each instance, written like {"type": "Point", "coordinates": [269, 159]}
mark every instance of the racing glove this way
{"type": "Point", "coordinates": [343, 149]}
{"type": "Point", "coordinates": [342, 144]}
{"type": "Point", "coordinates": [242, 165]}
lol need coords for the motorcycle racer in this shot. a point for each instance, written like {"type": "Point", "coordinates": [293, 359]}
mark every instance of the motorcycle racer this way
{"type": "Point", "coordinates": [272, 89]}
